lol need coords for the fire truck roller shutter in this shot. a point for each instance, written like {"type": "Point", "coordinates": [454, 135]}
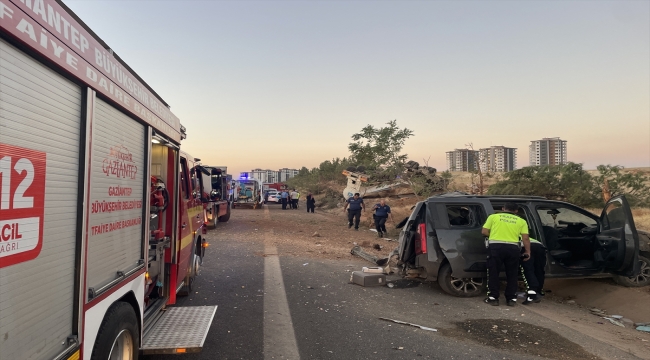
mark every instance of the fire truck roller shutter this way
{"type": "Point", "coordinates": [116, 195]}
{"type": "Point", "coordinates": [40, 121]}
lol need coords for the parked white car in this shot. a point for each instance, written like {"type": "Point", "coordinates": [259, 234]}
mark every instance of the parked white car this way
{"type": "Point", "coordinates": [274, 196]}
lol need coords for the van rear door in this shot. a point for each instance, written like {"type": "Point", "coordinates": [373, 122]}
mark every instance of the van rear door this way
{"type": "Point", "coordinates": [407, 238]}
{"type": "Point", "coordinates": [618, 238]}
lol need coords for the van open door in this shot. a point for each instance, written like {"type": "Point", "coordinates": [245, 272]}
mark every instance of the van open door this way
{"type": "Point", "coordinates": [618, 238]}
{"type": "Point", "coordinates": [407, 247]}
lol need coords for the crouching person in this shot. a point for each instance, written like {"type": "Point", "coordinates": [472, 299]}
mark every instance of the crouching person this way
{"type": "Point", "coordinates": [533, 272]}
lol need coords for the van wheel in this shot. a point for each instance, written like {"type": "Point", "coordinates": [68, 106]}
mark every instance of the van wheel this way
{"type": "Point", "coordinates": [460, 287]}
{"type": "Point", "coordinates": [118, 336]}
{"type": "Point", "coordinates": [642, 279]}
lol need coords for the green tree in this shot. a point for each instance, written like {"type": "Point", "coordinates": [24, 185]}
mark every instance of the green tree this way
{"type": "Point", "coordinates": [380, 147]}
{"type": "Point", "coordinates": [632, 184]}
{"type": "Point", "coordinates": [568, 182]}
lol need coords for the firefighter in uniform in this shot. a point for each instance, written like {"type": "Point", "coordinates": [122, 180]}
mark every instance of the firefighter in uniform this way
{"type": "Point", "coordinates": [504, 231]}
{"type": "Point", "coordinates": [533, 272]}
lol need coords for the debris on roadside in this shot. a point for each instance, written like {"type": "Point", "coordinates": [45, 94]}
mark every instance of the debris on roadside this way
{"type": "Point", "coordinates": [374, 270]}
{"type": "Point", "coordinates": [316, 234]}
{"type": "Point", "coordinates": [409, 324]}
{"type": "Point", "coordinates": [643, 328]}
{"type": "Point", "coordinates": [614, 321]}
{"type": "Point", "coordinates": [356, 250]}
{"type": "Point", "coordinates": [367, 279]}
{"type": "Point", "coordinates": [377, 247]}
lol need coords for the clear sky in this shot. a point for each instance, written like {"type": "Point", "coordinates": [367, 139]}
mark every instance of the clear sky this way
{"type": "Point", "coordinates": [276, 84]}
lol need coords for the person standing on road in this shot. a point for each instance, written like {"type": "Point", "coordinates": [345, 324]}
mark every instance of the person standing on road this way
{"type": "Point", "coordinates": [533, 272]}
{"type": "Point", "coordinates": [382, 212]}
{"type": "Point", "coordinates": [294, 199]}
{"type": "Point", "coordinates": [297, 198]}
{"type": "Point", "coordinates": [355, 205]}
{"type": "Point", "coordinates": [311, 203]}
{"type": "Point", "coordinates": [503, 231]}
{"type": "Point", "coordinates": [284, 196]}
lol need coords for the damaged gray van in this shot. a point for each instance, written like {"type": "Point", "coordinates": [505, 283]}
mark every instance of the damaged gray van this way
{"type": "Point", "coordinates": [441, 240]}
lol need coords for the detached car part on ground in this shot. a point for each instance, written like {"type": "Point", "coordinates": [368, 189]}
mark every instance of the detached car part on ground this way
{"type": "Point", "coordinates": [441, 241]}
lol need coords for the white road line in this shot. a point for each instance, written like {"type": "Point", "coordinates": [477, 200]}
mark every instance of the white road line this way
{"type": "Point", "coordinates": [279, 337]}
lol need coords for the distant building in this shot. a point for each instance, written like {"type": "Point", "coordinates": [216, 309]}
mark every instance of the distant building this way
{"type": "Point", "coordinates": [462, 160]}
{"type": "Point", "coordinates": [497, 159]}
{"type": "Point", "coordinates": [285, 174]}
{"type": "Point", "coordinates": [265, 175]}
{"type": "Point", "coordinates": [547, 151]}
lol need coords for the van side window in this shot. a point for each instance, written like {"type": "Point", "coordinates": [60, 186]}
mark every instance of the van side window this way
{"type": "Point", "coordinates": [183, 171]}
{"type": "Point", "coordinates": [465, 216]}
{"type": "Point", "coordinates": [525, 213]}
{"type": "Point", "coordinates": [614, 216]}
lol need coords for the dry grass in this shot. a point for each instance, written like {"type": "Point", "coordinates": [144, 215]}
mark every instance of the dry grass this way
{"type": "Point", "coordinates": [641, 218]}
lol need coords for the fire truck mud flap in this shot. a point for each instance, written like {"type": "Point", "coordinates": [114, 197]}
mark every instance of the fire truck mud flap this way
{"type": "Point", "coordinates": [180, 330]}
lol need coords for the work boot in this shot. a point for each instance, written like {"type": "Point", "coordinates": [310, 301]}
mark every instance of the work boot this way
{"type": "Point", "coordinates": [492, 301]}
{"type": "Point", "coordinates": [349, 226]}
{"type": "Point", "coordinates": [380, 234]}
{"type": "Point", "coordinates": [531, 297]}
{"type": "Point", "coordinates": [511, 302]}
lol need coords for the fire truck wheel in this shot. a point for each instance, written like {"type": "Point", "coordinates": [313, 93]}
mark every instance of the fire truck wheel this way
{"type": "Point", "coordinates": [226, 217]}
{"type": "Point", "coordinates": [118, 336]}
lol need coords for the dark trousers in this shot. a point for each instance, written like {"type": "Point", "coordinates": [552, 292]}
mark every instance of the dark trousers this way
{"type": "Point", "coordinates": [284, 203]}
{"type": "Point", "coordinates": [506, 257]}
{"type": "Point", "coordinates": [310, 207]}
{"type": "Point", "coordinates": [356, 215]}
{"type": "Point", "coordinates": [294, 203]}
{"type": "Point", "coordinates": [533, 269]}
{"type": "Point", "coordinates": [380, 223]}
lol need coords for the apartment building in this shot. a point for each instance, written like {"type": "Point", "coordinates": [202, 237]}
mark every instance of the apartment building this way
{"type": "Point", "coordinates": [547, 151]}
{"type": "Point", "coordinates": [265, 175]}
{"type": "Point", "coordinates": [285, 174]}
{"type": "Point", "coordinates": [497, 159]}
{"type": "Point", "coordinates": [462, 160]}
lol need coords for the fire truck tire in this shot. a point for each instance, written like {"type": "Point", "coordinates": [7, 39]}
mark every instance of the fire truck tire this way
{"type": "Point", "coordinates": [188, 283]}
{"type": "Point", "coordinates": [118, 336]}
{"type": "Point", "coordinates": [226, 217]}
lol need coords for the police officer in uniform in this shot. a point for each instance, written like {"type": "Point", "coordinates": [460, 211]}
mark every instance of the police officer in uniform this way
{"type": "Point", "coordinates": [382, 212]}
{"type": "Point", "coordinates": [533, 271]}
{"type": "Point", "coordinates": [354, 212]}
{"type": "Point", "coordinates": [504, 231]}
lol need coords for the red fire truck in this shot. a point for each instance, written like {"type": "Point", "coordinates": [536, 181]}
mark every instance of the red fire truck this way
{"type": "Point", "coordinates": [101, 217]}
{"type": "Point", "coordinates": [216, 185]}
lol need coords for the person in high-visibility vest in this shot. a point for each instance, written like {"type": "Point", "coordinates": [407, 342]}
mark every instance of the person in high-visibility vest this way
{"type": "Point", "coordinates": [533, 272]}
{"type": "Point", "coordinates": [504, 231]}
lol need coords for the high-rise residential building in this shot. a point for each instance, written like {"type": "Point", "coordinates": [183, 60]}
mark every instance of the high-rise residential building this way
{"type": "Point", "coordinates": [266, 175]}
{"type": "Point", "coordinates": [285, 174]}
{"type": "Point", "coordinates": [462, 160]}
{"type": "Point", "coordinates": [547, 151]}
{"type": "Point", "coordinates": [497, 159]}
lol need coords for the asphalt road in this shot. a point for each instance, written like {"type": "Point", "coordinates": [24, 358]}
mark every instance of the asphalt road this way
{"type": "Point", "coordinates": [329, 318]}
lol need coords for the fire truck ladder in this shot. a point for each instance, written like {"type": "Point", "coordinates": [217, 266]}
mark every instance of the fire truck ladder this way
{"type": "Point", "coordinates": [179, 330]}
